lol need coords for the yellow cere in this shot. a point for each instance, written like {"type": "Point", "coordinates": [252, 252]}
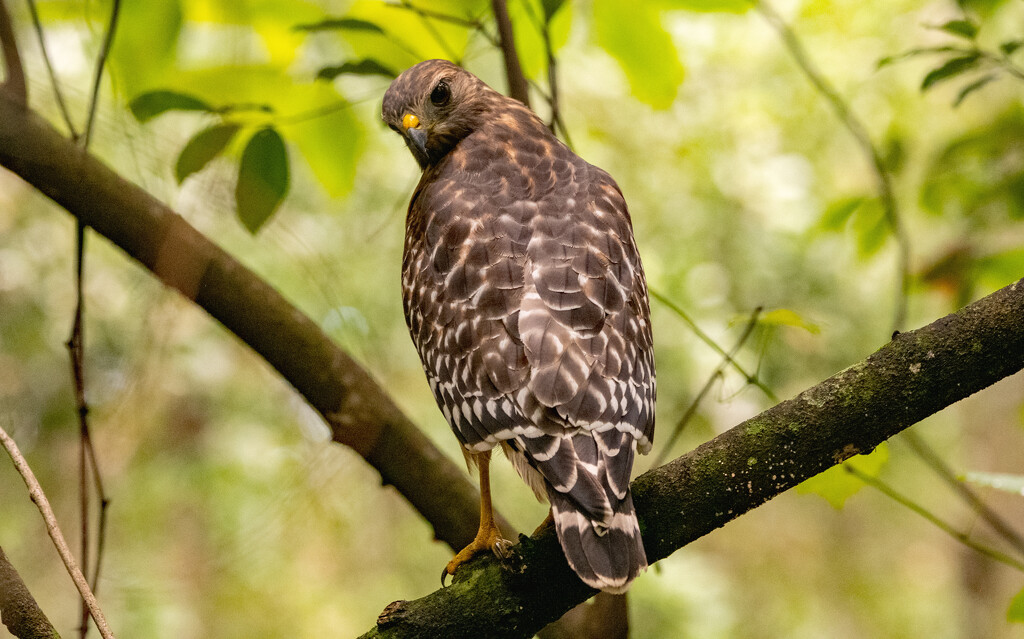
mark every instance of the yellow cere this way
{"type": "Point", "coordinates": [410, 121]}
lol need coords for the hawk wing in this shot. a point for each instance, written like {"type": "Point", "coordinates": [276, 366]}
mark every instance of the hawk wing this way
{"type": "Point", "coordinates": [527, 302]}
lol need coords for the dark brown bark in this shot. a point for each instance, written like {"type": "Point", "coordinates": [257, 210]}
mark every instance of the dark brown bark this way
{"type": "Point", "coordinates": [915, 375]}
{"type": "Point", "coordinates": [18, 609]}
{"type": "Point", "coordinates": [517, 86]}
{"type": "Point", "coordinates": [360, 413]}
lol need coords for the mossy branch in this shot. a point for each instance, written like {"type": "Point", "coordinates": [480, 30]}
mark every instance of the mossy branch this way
{"type": "Point", "coordinates": [915, 375]}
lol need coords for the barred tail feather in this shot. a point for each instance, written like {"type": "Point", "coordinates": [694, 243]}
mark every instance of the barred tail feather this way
{"type": "Point", "coordinates": [606, 555]}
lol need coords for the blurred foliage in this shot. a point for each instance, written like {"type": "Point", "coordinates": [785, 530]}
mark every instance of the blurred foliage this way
{"type": "Point", "coordinates": [1016, 611]}
{"type": "Point", "coordinates": [837, 485]}
{"type": "Point", "coordinates": [1002, 481]}
{"type": "Point", "coordinates": [232, 516]}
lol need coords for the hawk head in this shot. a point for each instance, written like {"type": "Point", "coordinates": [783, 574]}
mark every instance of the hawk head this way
{"type": "Point", "coordinates": [435, 104]}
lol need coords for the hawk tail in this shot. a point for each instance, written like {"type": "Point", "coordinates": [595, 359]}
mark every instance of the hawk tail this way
{"type": "Point", "coordinates": [607, 555]}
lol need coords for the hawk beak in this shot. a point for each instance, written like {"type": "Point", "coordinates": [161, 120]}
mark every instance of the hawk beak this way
{"type": "Point", "coordinates": [414, 134]}
{"type": "Point", "coordinates": [418, 138]}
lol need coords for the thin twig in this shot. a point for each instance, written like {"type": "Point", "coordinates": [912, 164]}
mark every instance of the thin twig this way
{"type": "Point", "coordinates": [425, 15]}
{"type": "Point", "coordinates": [469, 23]}
{"type": "Point", "coordinates": [517, 86]}
{"type": "Point", "coordinates": [704, 337]}
{"type": "Point", "coordinates": [556, 118]}
{"type": "Point", "coordinates": [860, 134]}
{"type": "Point", "coordinates": [962, 537]}
{"type": "Point", "coordinates": [104, 506]}
{"type": "Point", "coordinates": [57, 93]}
{"type": "Point", "coordinates": [101, 61]}
{"type": "Point", "coordinates": [87, 455]}
{"type": "Point", "coordinates": [14, 84]}
{"type": "Point", "coordinates": [691, 410]}
{"type": "Point", "coordinates": [35, 491]}
{"type": "Point", "coordinates": [930, 457]}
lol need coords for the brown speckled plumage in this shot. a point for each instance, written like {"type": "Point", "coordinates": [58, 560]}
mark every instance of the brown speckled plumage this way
{"type": "Point", "coordinates": [525, 297]}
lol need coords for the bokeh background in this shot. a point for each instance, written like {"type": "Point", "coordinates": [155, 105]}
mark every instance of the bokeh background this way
{"type": "Point", "coordinates": [231, 514]}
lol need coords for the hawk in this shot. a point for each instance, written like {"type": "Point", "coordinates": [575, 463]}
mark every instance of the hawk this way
{"type": "Point", "coordinates": [526, 300]}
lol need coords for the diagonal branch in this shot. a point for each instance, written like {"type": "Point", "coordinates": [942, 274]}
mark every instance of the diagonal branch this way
{"type": "Point", "coordinates": [917, 374]}
{"type": "Point", "coordinates": [358, 411]}
{"type": "Point", "coordinates": [18, 609]}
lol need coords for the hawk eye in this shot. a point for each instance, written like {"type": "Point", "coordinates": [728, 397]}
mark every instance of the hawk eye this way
{"type": "Point", "coordinates": [441, 94]}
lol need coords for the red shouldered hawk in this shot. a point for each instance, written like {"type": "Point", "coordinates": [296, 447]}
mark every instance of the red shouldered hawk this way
{"type": "Point", "coordinates": [525, 297]}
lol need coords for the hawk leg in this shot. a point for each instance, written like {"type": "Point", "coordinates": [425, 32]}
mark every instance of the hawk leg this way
{"type": "Point", "coordinates": [548, 522]}
{"type": "Point", "coordinates": [488, 537]}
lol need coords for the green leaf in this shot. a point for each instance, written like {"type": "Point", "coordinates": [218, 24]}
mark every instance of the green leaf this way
{"type": "Point", "coordinates": [262, 178]}
{"type": "Point", "coordinates": [367, 66]}
{"type": "Point", "coordinates": [148, 105]}
{"type": "Point", "coordinates": [979, 176]}
{"type": "Point", "coordinates": [203, 147]}
{"type": "Point", "coordinates": [974, 86]}
{"type": "Point", "coordinates": [836, 484]}
{"type": "Point", "coordinates": [152, 27]}
{"type": "Point", "coordinates": [788, 317]}
{"type": "Point", "coordinates": [343, 24]}
{"type": "Point", "coordinates": [960, 28]}
{"type": "Point", "coordinates": [632, 33]}
{"type": "Point", "coordinates": [1000, 481]}
{"type": "Point", "coordinates": [1010, 46]}
{"type": "Point", "coordinates": [980, 7]}
{"type": "Point", "coordinates": [551, 7]}
{"type": "Point", "coordinates": [1015, 614]}
{"type": "Point", "coordinates": [871, 227]}
{"type": "Point", "coordinates": [951, 68]}
{"type": "Point", "coordinates": [839, 212]}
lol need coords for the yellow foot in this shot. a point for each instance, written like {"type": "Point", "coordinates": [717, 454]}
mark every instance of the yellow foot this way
{"type": "Point", "coordinates": [488, 539]}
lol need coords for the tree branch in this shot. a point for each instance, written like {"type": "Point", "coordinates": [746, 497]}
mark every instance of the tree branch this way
{"type": "Point", "coordinates": [35, 492]}
{"type": "Point", "coordinates": [18, 609]}
{"type": "Point", "coordinates": [14, 83]}
{"type": "Point", "coordinates": [358, 411]}
{"type": "Point", "coordinates": [517, 86]}
{"type": "Point", "coordinates": [917, 374]}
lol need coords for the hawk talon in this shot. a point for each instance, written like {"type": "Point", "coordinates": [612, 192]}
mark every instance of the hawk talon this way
{"type": "Point", "coordinates": [502, 549]}
{"type": "Point", "coordinates": [487, 538]}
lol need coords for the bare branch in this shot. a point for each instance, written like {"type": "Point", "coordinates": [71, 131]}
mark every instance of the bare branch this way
{"type": "Point", "coordinates": [704, 337]}
{"type": "Point", "coordinates": [915, 375]}
{"type": "Point", "coordinates": [517, 85]}
{"type": "Point", "coordinates": [35, 491]}
{"type": "Point", "coordinates": [715, 375]}
{"type": "Point", "coordinates": [14, 84]}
